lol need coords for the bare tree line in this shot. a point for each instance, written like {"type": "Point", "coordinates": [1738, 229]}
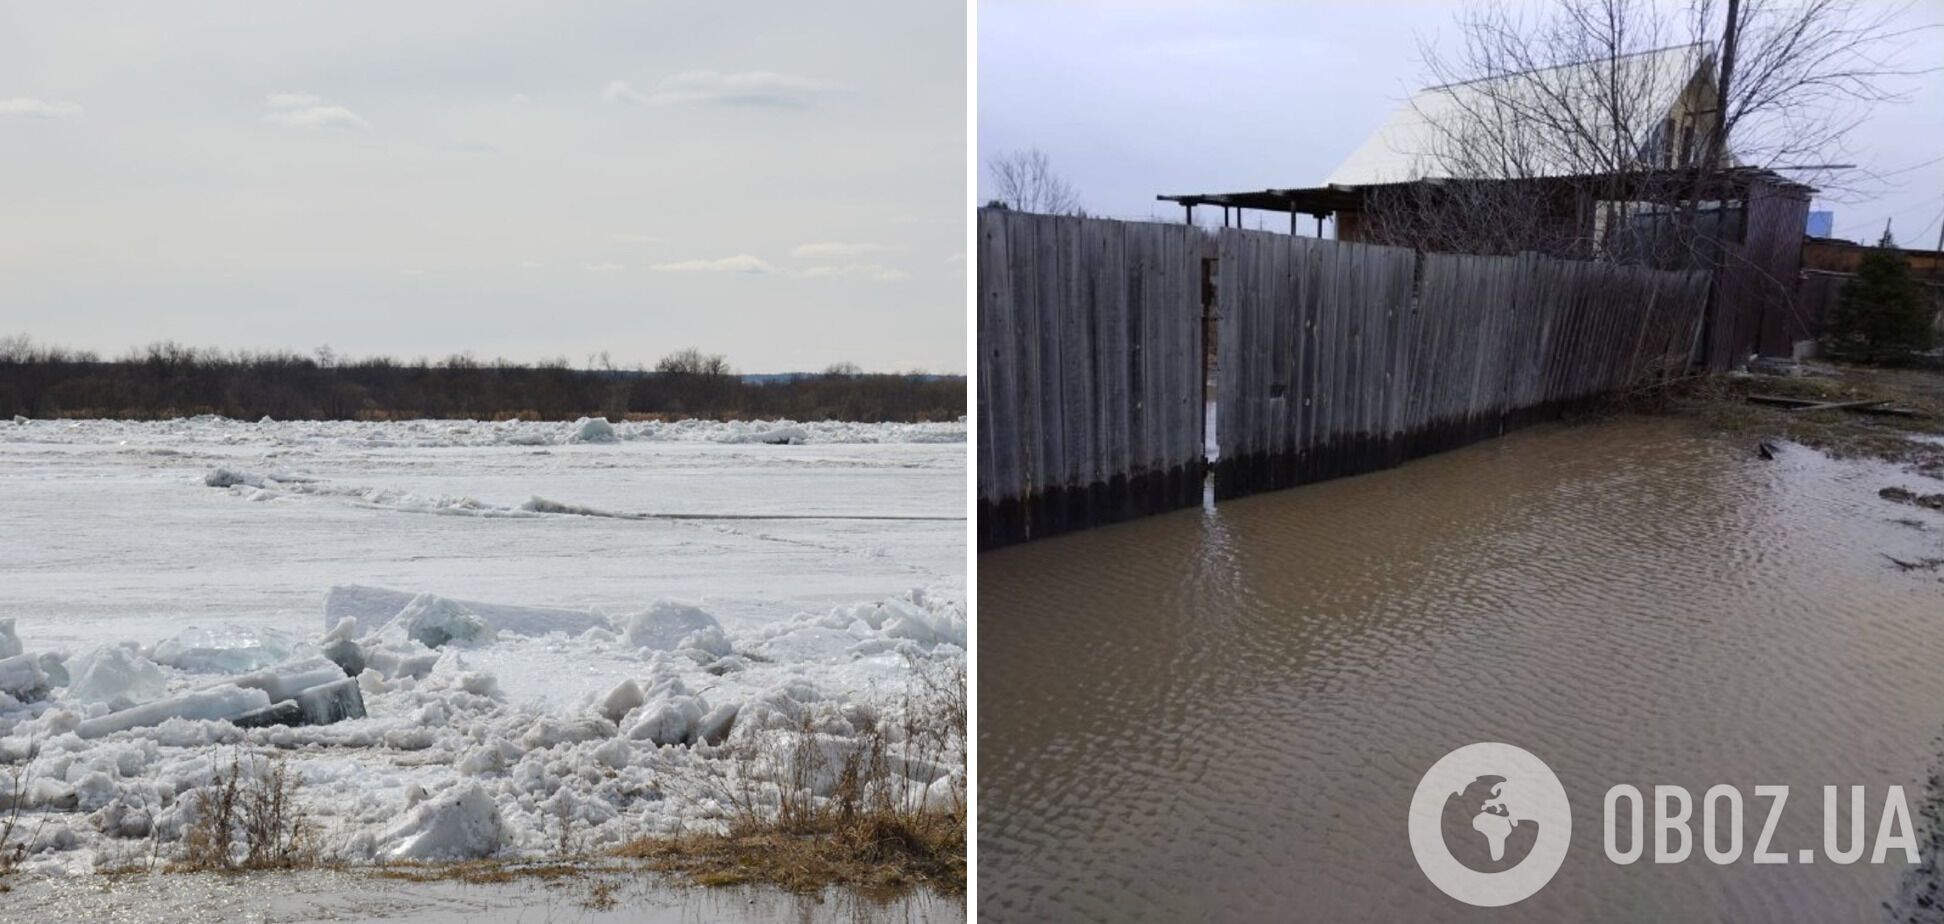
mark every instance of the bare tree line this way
{"type": "Point", "coordinates": [172, 380]}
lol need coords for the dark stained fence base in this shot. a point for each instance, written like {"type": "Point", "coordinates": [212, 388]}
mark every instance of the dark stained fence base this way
{"type": "Point", "coordinates": [1064, 510]}
{"type": "Point", "coordinates": [1363, 454]}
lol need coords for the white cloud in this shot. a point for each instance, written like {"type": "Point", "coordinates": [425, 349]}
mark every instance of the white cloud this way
{"type": "Point", "coordinates": [311, 113]}
{"type": "Point", "coordinates": [292, 100]}
{"type": "Point", "coordinates": [875, 272]}
{"type": "Point", "coordinates": [620, 91]}
{"type": "Point", "coordinates": [29, 108]}
{"type": "Point", "coordinates": [841, 249]}
{"type": "Point", "coordinates": [740, 263]}
{"type": "Point", "coordinates": [519, 99]}
{"type": "Point", "coordinates": [532, 264]}
{"type": "Point", "coordinates": [714, 88]}
{"type": "Point", "coordinates": [603, 267]}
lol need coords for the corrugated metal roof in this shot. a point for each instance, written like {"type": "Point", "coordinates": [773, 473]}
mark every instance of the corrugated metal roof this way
{"type": "Point", "coordinates": [1407, 146]}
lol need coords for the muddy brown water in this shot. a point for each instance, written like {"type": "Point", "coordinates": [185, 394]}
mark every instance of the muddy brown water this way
{"type": "Point", "coordinates": [1222, 714]}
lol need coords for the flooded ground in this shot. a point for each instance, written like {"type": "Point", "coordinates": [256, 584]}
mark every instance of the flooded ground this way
{"type": "Point", "coordinates": [1224, 713]}
{"type": "Point", "coordinates": [289, 898]}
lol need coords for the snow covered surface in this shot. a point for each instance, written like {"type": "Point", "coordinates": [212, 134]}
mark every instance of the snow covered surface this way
{"type": "Point", "coordinates": [522, 666]}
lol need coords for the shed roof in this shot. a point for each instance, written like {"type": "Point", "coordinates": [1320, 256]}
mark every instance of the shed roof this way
{"type": "Point", "coordinates": [1730, 183]}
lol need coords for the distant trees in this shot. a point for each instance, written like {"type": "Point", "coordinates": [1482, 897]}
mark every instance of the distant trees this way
{"type": "Point", "coordinates": [693, 362]}
{"type": "Point", "coordinates": [172, 380]}
{"type": "Point", "coordinates": [1882, 313]}
{"type": "Point", "coordinates": [1025, 182]}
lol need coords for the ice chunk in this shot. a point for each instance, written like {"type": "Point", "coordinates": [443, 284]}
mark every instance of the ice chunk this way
{"type": "Point", "coordinates": [670, 720]}
{"type": "Point", "coordinates": [116, 676]}
{"type": "Point", "coordinates": [714, 727]}
{"type": "Point", "coordinates": [284, 713]}
{"type": "Point", "coordinates": [229, 478]}
{"type": "Point", "coordinates": [212, 704]}
{"type": "Point", "coordinates": [290, 678]}
{"type": "Point", "coordinates": [346, 654]}
{"type": "Point", "coordinates": [372, 607]}
{"type": "Point", "coordinates": [225, 650]}
{"type": "Point", "coordinates": [9, 642]}
{"type": "Point", "coordinates": [393, 663]}
{"type": "Point", "coordinates": [344, 629]}
{"type": "Point", "coordinates": [432, 621]}
{"type": "Point", "coordinates": [928, 625]}
{"type": "Point", "coordinates": [613, 753]}
{"type": "Point", "coordinates": [460, 825]}
{"type": "Point", "coordinates": [368, 608]}
{"type": "Point", "coordinates": [707, 645]}
{"type": "Point", "coordinates": [622, 700]}
{"type": "Point", "coordinates": [22, 678]}
{"type": "Point", "coordinates": [664, 625]}
{"type": "Point", "coordinates": [550, 732]}
{"type": "Point", "coordinates": [592, 430]}
{"type": "Point", "coordinates": [54, 664]}
{"type": "Point", "coordinates": [332, 702]}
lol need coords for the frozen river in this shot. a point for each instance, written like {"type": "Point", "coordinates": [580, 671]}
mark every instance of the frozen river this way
{"type": "Point", "coordinates": [830, 557]}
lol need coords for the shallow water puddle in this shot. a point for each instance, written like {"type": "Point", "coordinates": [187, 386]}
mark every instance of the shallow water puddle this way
{"type": "Point", "coordinates": [290, 898]}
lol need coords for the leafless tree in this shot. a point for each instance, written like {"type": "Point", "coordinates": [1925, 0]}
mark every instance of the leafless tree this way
{"type": "Point", "coordinates": [1025, 181]}
{"type": "Point", "coordinates": [1582, 89]}
{"type": "Point", "coordinates": [694, 362]}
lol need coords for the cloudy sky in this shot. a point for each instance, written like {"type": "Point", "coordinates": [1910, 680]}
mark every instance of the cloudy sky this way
{"type": "Point", "coordinates": [1136, 99]}
{"type": "Point", "coordinates": [777, 181]}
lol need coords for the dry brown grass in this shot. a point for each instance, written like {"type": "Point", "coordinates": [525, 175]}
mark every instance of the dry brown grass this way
{"type": "Point", "coordinates": [874, 852]}
{"type": "Point", "coordinates": [15, 839]}
{"type": "Point", "coordinates": [251, 809]}
{"type": "Point", "coordinates": [873, 831]}
{"type": "Point", "coordinates": [1721, 403]}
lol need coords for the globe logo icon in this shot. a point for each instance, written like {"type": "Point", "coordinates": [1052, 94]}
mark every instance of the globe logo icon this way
{"type": "Point", "coordinates": [1489, 824]}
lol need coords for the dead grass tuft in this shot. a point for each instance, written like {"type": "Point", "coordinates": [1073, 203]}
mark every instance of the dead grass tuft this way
{"type": "Point", "coordinates": [248, 818]}
{"type": "Point", "coordinates": [875, 830]}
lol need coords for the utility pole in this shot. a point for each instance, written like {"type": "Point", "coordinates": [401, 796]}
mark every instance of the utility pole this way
{"type": "Point", "coordinates": [1720, 145]}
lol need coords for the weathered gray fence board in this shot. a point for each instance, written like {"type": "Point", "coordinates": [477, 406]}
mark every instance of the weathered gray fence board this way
{"type": "Point", "coordinates": [1089, 381]}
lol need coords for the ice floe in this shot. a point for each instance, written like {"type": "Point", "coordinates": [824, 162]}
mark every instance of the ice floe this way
{"type": "Point", "coordinates": [587, 431]}
{"type": "Point", "coordinates": [420, 754]}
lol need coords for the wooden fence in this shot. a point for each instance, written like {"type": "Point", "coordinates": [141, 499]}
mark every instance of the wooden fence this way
{"type": "Point", "coordinates": [1090, 372]}
{"type": "Point", "coordinates": [1331, 358]}
{"type": "Point", "coordinates": [1337, 358]}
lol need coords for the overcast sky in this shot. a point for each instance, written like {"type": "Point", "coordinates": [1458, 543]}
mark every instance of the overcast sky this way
{"type": "Point", "coordinates": [1131, 100]}
{"type": "Point", "coordinates": [778, 181]}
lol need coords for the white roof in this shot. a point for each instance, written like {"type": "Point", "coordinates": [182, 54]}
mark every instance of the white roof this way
{"type": "Point", "coordinates": [1406, 146]}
